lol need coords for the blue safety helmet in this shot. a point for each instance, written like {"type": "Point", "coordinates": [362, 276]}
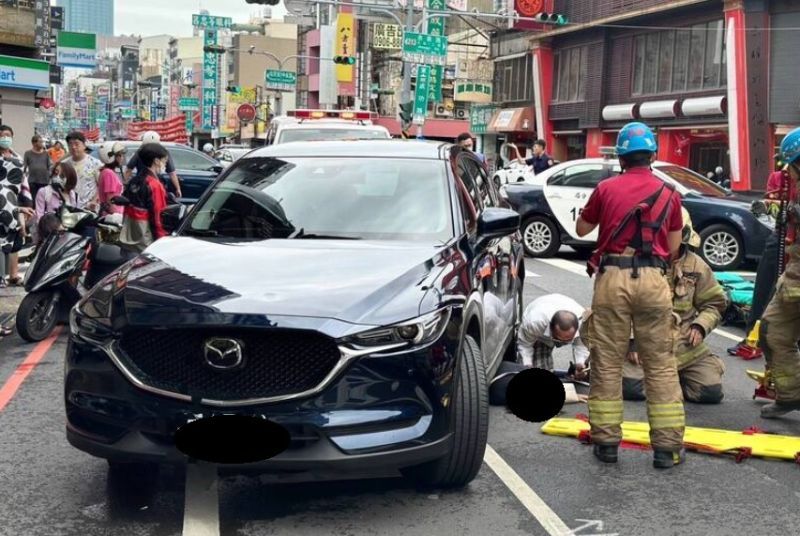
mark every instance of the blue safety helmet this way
{"type": "Point", "coordinates": [636, 137]}
{"type": "Point", "coordinates": [790, 147]}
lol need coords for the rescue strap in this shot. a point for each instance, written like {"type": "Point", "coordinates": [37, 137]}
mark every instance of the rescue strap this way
{"type": "Point", "coordinates": [657, 203]}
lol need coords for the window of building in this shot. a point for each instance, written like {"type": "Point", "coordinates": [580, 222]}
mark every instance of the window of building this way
{"type": "Point", "coordinates": [569, 80]}
{"type": "Point", "coordinates": [674, 61]}
{"type": "Point", "coordinates": [513, 79]}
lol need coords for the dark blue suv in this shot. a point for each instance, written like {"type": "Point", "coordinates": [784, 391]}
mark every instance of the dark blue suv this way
{"type": "Point", "coordinates": [196, 171]}
{"type": "Point", "coordinates": [357, 294]}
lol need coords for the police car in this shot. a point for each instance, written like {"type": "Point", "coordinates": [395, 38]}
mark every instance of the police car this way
{"type": "Point", "coordinates": [324, 125]}
{"type": "Point", "coordinates": [549, 205]}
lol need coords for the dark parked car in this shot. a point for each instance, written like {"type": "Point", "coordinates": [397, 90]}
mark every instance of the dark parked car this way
{"type": "Point", "coordinates": [351, 292]}
{"type": "Point", "coordinates": [195, 170]}
{"type": "Point", "coordinates": [550, 203]}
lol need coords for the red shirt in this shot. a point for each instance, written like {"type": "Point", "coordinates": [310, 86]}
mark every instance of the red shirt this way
{"type": "Point", "coordinates": [614, 198]}
{"type": "Point", "coordinates": [775, 183]}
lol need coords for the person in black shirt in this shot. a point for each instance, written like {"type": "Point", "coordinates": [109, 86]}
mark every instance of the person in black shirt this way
{"type": "Point", "coordinates": [541, 160]}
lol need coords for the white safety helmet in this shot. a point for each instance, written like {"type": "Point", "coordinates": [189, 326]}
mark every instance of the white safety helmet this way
{"type": "Point", "coordinates": [151, 137]}
{"type": "Point", "coordinates": [109, 150]}
{"type": "Point", "coordinates": [208, 148]}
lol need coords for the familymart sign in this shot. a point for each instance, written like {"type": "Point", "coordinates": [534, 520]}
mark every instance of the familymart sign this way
{"type": "Point", "coordinates": [24, 73]}
{"type": "Point", "coordinates": [77, 50]}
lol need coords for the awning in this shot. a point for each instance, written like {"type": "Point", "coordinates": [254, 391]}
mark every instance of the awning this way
{"type": "Point", "coordinates": [513, 120]}
{"type": "Point", "coordinates": [433, 128]}
{"type": "Point", "coordinates": [658, 109]}
{"type": "Point", "coordinates": [705, 106]}
{"type": "Point", "coordinates": [619, 112]}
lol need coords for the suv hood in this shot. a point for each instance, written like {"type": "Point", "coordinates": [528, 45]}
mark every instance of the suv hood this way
{"type": "Point", "coordinates": [359, 282]}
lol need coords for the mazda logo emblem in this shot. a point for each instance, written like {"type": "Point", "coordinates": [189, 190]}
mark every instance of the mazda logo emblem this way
{"type": "Point", "coordinates": [223, 354]}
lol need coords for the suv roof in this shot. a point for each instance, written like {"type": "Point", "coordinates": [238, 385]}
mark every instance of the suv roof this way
{"type": "Point", "coordinates": [356, 148]}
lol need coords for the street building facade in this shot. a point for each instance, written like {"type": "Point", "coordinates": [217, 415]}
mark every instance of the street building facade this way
{"type": "Point", "coordinates": [706, 75]}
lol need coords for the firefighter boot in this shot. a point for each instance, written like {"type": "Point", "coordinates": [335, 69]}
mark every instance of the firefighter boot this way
{"type": "Point", "coordinates": [666, 459]}
{"type": "Point", "coordinates": [606, 453]}
{"type": "Point", "coordinates": [775, 410]}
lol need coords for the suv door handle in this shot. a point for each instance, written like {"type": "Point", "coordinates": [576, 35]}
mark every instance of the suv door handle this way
{"type": "Point", "coordinates": [555, 196]}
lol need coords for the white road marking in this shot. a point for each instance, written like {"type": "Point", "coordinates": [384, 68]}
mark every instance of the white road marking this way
{"type": "Point", "coordinates": [564, 264]}
{"type": "Point", "coordinates": [727, 335]}
{"type": "Point", "coordinates": [201, 507]}
{"type": "Point", "coordinates": [528, 273]}
{"type": "Point", "coordinates": [546, 517]}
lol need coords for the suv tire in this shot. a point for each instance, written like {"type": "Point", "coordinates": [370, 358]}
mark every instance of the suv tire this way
{"type": "Point", "coordinates": [470, 412]}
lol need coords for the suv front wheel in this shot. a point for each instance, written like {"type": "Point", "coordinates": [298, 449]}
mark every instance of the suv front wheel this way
{"type": "Point", "coordinates": [470, 412]}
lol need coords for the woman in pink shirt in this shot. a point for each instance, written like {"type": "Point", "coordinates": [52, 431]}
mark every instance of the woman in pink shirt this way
{"type": "Point", "coordinates": [109, 184]}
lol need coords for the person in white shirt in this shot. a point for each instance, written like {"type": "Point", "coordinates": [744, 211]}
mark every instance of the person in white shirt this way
{"type": "Point", "coordinates": [549, 322]}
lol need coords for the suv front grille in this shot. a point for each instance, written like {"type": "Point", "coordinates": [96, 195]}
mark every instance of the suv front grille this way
{"type": "Point", "coordinates": [276, 362]}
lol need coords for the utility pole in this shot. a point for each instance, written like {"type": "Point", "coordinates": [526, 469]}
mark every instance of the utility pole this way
{"type": "Point", "coordinates": [405, 94]}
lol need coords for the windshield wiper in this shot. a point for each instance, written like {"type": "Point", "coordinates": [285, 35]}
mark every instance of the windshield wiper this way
{"type": "Point", "coordinates": [302, 234]}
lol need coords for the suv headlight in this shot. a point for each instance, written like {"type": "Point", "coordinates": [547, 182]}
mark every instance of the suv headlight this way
{"type": "Point", "coordinates": [417, 332]}
{"type": "Point", "coordinates": [88, 329]}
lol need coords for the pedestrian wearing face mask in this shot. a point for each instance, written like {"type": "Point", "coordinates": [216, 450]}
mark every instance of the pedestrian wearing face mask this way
{"type": "Point", "coordinates": [148, 198]}
{"type": "Point", "coordinates": [550, 322]}
{"type": "Point", "coordinates": [62, 190]}
{"type": "Point", "coordinates": [16, 205]}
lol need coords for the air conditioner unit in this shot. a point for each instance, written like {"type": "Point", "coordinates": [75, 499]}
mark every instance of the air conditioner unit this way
{"type": "Point", "coordinates": [461, 113]}
{"type": "Point", "coordinates": [442, 111]}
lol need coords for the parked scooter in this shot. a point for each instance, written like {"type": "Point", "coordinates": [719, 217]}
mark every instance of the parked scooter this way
{"type": "Point", "coordinates": [66, 265]}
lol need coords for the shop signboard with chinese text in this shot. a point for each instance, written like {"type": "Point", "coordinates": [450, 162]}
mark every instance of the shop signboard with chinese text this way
{"type": "Point", "coordinates": [387, 36]}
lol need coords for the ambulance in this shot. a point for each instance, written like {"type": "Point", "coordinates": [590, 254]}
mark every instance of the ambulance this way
{"type": "Point", "coordinates": [324, 125]}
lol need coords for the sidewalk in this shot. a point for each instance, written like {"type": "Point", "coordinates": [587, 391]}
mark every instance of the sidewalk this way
{"type": "Point", "coordinates": [10, 298]}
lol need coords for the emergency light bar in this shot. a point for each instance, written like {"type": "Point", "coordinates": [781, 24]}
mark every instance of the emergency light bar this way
{"type": "Point", "coordinates": [332, 114]}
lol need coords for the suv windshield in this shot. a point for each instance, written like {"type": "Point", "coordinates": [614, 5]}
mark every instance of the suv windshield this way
{"type": "Point", "coordinates": [355, 198]}
{"type": "Point", "coordinates": [693, 181]}
{"type": "Point", "coordinates": [323, 134]}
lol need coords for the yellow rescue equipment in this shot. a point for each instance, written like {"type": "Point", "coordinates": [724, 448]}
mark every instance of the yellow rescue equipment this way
{"type": "Point", "coordinates": [741, 444]}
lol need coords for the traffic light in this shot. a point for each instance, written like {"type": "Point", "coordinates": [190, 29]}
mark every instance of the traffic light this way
{"type": "Point", "coordinates": [556, 19]}
{"type": "Point", "coordinates": [344, 60]}
{"type": "Point", "coordinates": [214, 49]}
{"type": "Point", "coordinates": [406, 114]}
{"type": "Point", "coordinates": [236, 90]}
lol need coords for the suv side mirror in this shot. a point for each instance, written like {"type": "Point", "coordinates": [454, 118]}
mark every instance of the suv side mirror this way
{"type": "Point", "coordinates": [217, 168]}
{"type": "Point", "coordinates": [172, 216]}
{"type": "Point", "coordinates": [496, 223]}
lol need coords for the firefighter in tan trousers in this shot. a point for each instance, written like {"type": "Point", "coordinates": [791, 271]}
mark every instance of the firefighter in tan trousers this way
{"type": "Point", "coordinates": [780, 325]}
{"type": "Point", "coordinates": [640, 224]}
{"type": "Point", "coordinates": [700, 302]}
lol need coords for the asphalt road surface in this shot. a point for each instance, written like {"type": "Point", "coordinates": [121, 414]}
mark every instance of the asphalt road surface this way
{"type": "Point", "coordinates": [531, 484]}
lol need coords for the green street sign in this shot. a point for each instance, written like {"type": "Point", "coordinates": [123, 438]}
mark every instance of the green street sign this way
{"type": "Point", "coordinates": [436, 28]}
{"type": "Point", "coordinates": [186, 104]}
{"type": "Point", "coordinates": [424, 48]}
{"type": "Point", "coordinates": [280, 80]}
{"type": "Point", "coordinates": [211, 22]}
{"type": "Point", "coordinates": [421, 94]}
{"type": "Point", "coordinates": [127, 113]}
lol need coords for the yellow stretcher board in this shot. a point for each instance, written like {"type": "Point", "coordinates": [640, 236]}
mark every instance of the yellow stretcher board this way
{"type": "Point", "coordinates": [700, 439]}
